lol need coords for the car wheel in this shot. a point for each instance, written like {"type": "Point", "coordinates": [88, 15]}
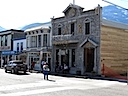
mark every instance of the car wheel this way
{"type": "Point", "coordinates": [12, 71]}
{"type": "Point", "coordinates": [24, 72]}
{"type": "Point", "coordinates": [5, 70]}
{"type": "Point", "coordinates": [16, 71]}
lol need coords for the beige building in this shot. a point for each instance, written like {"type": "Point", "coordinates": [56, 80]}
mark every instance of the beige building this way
{"type": "Point", "coordinates": [114, 46]}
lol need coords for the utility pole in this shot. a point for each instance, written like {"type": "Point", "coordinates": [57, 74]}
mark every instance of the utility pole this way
{"type": "Point", "coordinates": [114, 4]}
{"type": "Point", "coordinates": [73, 2]}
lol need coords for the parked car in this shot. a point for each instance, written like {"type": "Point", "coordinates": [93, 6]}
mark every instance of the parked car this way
{"type": "Point", "coordinates": [15, 66]}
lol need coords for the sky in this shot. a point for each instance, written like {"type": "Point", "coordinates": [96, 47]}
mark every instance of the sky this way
{"type": "Point", "coordinates": [18, 13]}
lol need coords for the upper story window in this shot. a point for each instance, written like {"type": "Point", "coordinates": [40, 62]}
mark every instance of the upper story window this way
{"type": "Point", "coordinates": [59, 31]}
{"type": "Point", "coordinates": [39, 40]}
{"type": "Point", "coordinates": [2, 40]}
{"type": "Point", "coordinates": [45, 40]}
{"type": "Point", "coordinates": [72, 28]}
{"type": "Point", "coordinates": [17, 47]}
{"type": "Point", "coordinates": [6, 39]}
{"type": "Point", "coordinates": [34, 41]}
{"type": "Point", "coordinates": [87, 26]}
{"type": "Point", "coordinates": [27, 41]}
{"type": "Point", "coordinates": [21, 46]}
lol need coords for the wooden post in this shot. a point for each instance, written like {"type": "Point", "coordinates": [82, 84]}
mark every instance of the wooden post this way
{"type": "Point", "coordinates": [103, 68]}
{"type": "Point", "coordinates": [127, 75]}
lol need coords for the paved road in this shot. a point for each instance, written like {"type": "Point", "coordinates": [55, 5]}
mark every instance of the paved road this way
{"type": "Point", "coordinates": [32, 84]}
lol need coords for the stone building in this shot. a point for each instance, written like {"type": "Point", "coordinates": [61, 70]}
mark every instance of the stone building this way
{"type": "Point", "coordinates": [76, 40]}
{"type": "Point", "coordinates": [84, 41]}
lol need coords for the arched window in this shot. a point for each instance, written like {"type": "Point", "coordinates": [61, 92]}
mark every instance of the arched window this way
{"type": "Point", "coordinates": [59, 29]}
{"type": "Point", "coordinates": [6, 39]}
{"type": "Point", "coordinates": [87, 26]}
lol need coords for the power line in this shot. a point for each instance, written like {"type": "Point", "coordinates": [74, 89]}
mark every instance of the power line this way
{"type": "Point", "coordinates": [125, 0]}
{"type": "Point", "coordinates": [114, 4]}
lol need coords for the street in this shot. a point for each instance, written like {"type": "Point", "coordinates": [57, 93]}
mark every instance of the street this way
{"type": "Point", "coordinates": [32, 84]}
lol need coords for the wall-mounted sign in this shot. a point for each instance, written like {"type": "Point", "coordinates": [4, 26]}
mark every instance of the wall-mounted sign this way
{"type": "Point", "coordinates": [3, 48]}
{"type": "Point", "coordinates": [8, 52]}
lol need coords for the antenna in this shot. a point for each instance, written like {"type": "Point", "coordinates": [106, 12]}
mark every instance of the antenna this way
{"type": "Point", "coordinates": [73, 2]}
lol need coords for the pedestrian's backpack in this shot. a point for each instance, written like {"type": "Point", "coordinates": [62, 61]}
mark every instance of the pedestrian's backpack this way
{"type": "Point", "coordinates": [46, 68]}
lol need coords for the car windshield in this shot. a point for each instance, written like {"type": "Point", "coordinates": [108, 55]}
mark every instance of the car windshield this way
{"type": "Point", "coordinates": [18, 62]}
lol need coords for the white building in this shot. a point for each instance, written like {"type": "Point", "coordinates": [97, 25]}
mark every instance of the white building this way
{"type": "Point", "coordinates": [38, 45]}
{"type": "Point", "coordinates": [19, 46]}
{"type": "Point", "coordinates": [6, 44]}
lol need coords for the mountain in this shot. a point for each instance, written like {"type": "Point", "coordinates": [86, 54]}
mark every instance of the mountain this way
{"type": "Point", "coordinates": [2, 29]}
{"type": "Point", "coordinates": [32, 25]}
{"type": "Point", "coordinates": [115, 13]}
{"type": "Point", "coordinates": [109, 12]}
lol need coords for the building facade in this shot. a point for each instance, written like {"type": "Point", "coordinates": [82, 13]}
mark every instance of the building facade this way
{"type": "Point", "coordinates": [114, 48]}
{"type": "Point", "coordinates": [6, 44]}
{"type": "Point", "coordinates": [89, 44]}
{"type": "Point", "coordinates": [76, 40]}
{"type": "Point", "coordinates": [19, 46]}
{"type": "Point", "coordinates": [38, 45]}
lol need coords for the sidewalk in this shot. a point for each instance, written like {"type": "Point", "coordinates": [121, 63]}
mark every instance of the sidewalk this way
{"type": "Point", "coordinates": [85, 76]}
{"type": "Point", "coordinates": [90, 77]}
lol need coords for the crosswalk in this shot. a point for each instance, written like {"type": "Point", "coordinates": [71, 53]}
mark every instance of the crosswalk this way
{"type": "Point", "coordinates": [44, 86]}
{"type": "Point", "coordinates": [57, 84]}
{"type": "Point", "coordinates": [31, 88]}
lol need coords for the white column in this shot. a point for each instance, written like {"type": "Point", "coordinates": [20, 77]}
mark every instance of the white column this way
{"type": "Point", "coordinates": [1, 60]}
{"type": "Point", "coordinates": [28, 60]}
{"type": "Point", "coordinates": [42, 40]}
{"type": "Point", "coordinates": [37, 41]}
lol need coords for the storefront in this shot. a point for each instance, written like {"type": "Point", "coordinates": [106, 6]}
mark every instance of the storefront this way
{"type": "Point", "coordinates": [36, 57]}
{"type": "Point", "coordinates": [6, 56]}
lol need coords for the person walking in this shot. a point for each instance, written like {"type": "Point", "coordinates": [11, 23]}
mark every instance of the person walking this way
{"type": "Point", "coordinates": [45, 70]}
{"type": "Point", "coordinates": [32, 65]}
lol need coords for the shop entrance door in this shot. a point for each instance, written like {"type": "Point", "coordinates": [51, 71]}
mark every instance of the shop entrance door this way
{"type": "Point", "coordinates": [89, 59]}
{"type": "Point", "coordinates": [65, 57]}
